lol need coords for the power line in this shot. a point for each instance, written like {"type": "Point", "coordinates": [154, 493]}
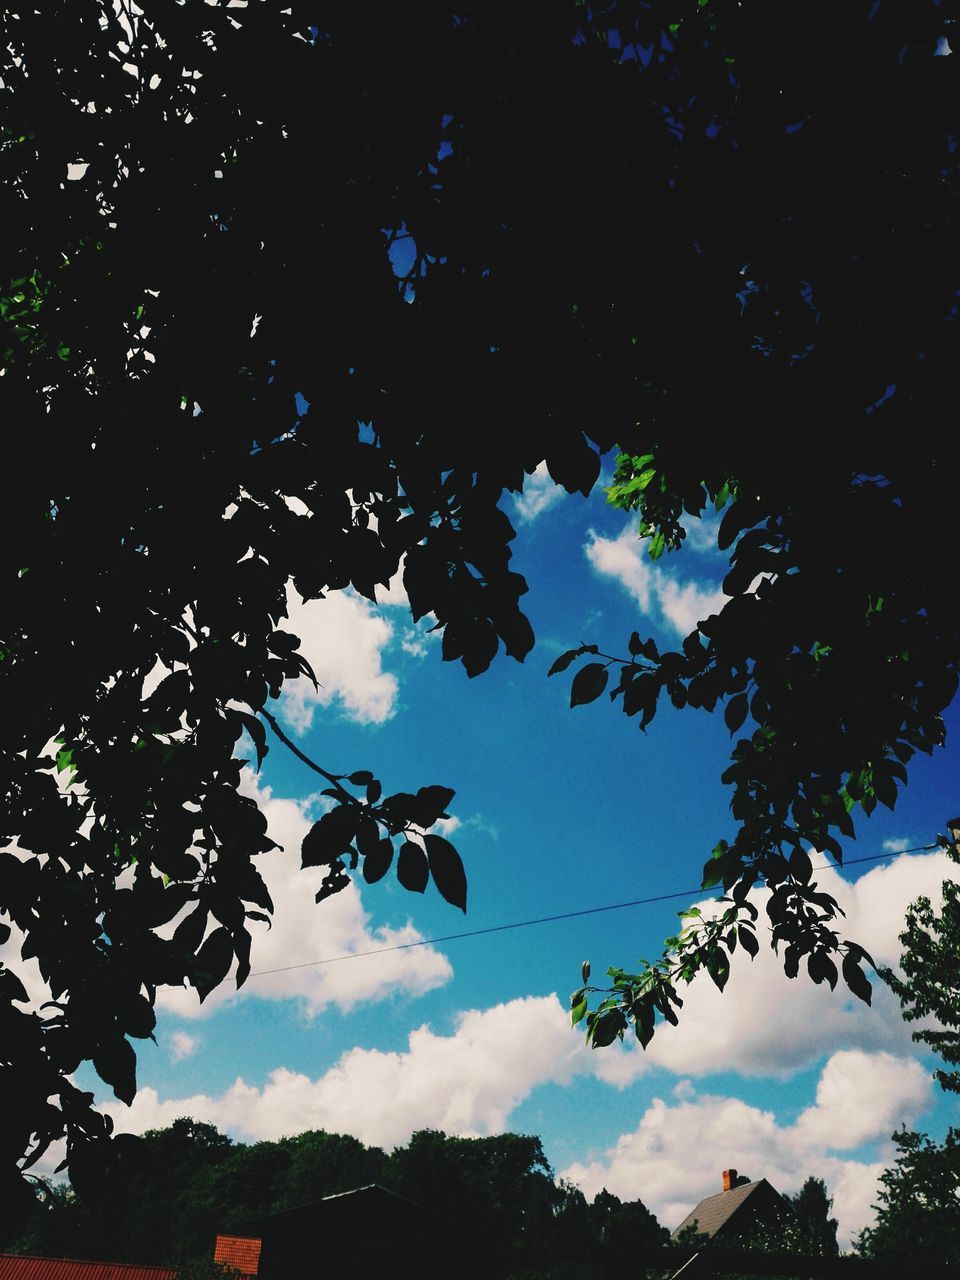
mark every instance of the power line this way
{"type": "Point", "coordinates": [565, 915]}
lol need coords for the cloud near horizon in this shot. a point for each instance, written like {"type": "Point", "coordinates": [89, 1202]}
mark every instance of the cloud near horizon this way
{"type": "Point", "coordinates": [469, 1082]}
{"type": "Point", "coordinates": [674, 1156]}
{"type": "Point", "coordinates": [465, 1083]}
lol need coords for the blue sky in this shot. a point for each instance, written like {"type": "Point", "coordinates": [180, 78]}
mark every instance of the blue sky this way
{"type": "Point", "coordinates": [556, 810]}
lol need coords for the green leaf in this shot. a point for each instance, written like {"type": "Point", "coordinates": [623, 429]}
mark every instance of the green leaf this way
{"type": "Point", "coordinates": [748, 940]}
{"type": "Point", "coordinates": [447, 870]}
{"type": "Point", "coordinates": [606, 1027]}
{"type": "Point", "coordinates": [585, 972]}
{"type": "Point", "coordinates": [718, 966]}
{"type": "Point", "coordinates": [588, 684]}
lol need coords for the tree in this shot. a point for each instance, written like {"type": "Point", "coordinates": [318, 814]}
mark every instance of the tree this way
{"type": "Point", "coordinates": [930, 964]}
{"type": "Point", "coordinates": [190, 1174]}
{"type": "Point", "coordinates": [717, 242]}
{"type": "Point", "coordinates": [918, 1217]}
{"type": "Point", "coordinates": [816, 1231]}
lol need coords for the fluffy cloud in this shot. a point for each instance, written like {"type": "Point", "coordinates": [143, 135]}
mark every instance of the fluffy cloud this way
{"type": "Point", "coordinates": [464, 1083]}
{"type": "Point", "coordinates": [304, 931]}
{"type": "Point", "coordinates": [343, 638]}
{"type": "Point", "coordinates": [539, 495]}
{"type": "Point", "coordinates": [862, 1096]}
{"type": "Point", "coordinates": [674, 1156]}
{"type": "Point", "coordinates": [656, 590]}
{"type": "Point", "coordinates": [766, 1024]}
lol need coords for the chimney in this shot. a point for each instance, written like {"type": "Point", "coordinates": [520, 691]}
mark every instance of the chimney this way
{"type": "Point", "coordinates": [729, 1179]}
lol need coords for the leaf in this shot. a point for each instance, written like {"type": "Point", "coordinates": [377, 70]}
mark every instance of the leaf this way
{"type": "Point", "coordinates": [588, 684]}
{"type": "Point", "coordinates": [189, 932]}
{"type": "Point", "coordinates": [368, 836]}
{"type": "Point", "coordinates": [413, 871]}
{"type": "Point", "coordinates": [333, 882]}
{"type": "Point", "coordinates": [578, 1012]}
{"type": "Point", "coordinates": [212, 962]}
{"type": "Point", "coordinates": [585, 972]}
{"type": "Point", "coordinates": [447, 870]}
{"type": "Point", "coordinates": [735, 712]}
{"type": "Point", "coordinates": [377, 862]}
{"type": "Point", "coordinates": [257, 731]}
{"type": "Point", "coordinates": [718, 966]}
{"type": "Point", "coordinates": [429, 804]}
{"type": "Point", "coordinates": [748, 940]}
{"type": "Point", "coordinates": [821, 968]}
{"type": "Point", "coordinates": [116, 1063]}
{"type": "Point", "coordinates": [330, 837]}
{"type": "Point", "coordinates": [563, 661]}
{"type": "Point", "coordinates": [801, 868]}
{"type": "Point", "coordinates": [856, 979]}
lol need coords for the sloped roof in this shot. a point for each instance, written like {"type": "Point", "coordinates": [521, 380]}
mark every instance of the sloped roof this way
{"type": "Point", "coordinates": [715, 1213]}
{"type": "Point", "coordinates": [239, 1253]}
{"type": "Point", "coordinates": [363, 1232]}
{"type": "Point", "coordinates": [20, 1267]}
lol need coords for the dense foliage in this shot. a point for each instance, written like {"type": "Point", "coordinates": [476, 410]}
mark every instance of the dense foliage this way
{"type": "Point", "coordinates": [723, 243]}
{"type": "Point", "coordinates": [192, 1175]}
{"type": "Point", "coordinates": [928, 983]}
{"type": "Point", "coordinates": [918, 1217]}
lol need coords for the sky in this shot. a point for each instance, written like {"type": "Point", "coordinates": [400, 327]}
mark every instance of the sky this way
{"type": "Point", "coordinates": [556, 810]}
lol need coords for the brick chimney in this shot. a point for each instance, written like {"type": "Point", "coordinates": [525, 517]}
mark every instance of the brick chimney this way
{"type": "Point", "coordinates": [729, 1179]}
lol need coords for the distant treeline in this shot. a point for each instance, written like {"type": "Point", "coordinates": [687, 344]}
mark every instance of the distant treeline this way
{"type": "Point", "coordinates": [190, 1181]}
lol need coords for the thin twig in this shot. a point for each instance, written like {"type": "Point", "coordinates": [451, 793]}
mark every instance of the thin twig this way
{"type": "Point", "coordinates": [330, 777]}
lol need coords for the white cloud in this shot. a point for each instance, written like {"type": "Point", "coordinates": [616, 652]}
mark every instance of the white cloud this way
{"type": "Point", "coordinates": [674, 1157]}
{"type": "Point", "coordinates": [862, 1096]}
{"type": "Point", "coordinates": [767, 1025]}
{"type": "Point", "coordinates": [897, 844]}
{"type": "Point", "coordinates": [182, 1045]}
{"type": "Point", "coordinates": [656, 590]}
{"type": "Point", "coordinates": [539, 495]}
{"type": "Point", "coordinates": [702, 533]}
{"type": "Point", "coordinates": [465, 1083]}
{"type": "Point", "coordinates": [304, 931]}
{"type": "Point", "coordinates": [343, 637]}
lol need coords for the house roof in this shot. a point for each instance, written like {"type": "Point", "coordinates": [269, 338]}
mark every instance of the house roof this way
{"type": "Point", "coordinates": [20, 1267]}
{"type": "Point", "coordinates": [239, 1253]}
{"type": "Point", "coordinates": [715, 1213]}
{"type": "Point", "coordinates": [358, 1200]}
{"type": "Point", "coordinates": [363, 1232]}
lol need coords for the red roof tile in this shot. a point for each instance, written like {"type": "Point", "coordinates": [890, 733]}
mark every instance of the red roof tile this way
{"type": "Point", "coordinates": [16, 1267]}
{"type": "Point", "coordinates": [241, 1253]}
